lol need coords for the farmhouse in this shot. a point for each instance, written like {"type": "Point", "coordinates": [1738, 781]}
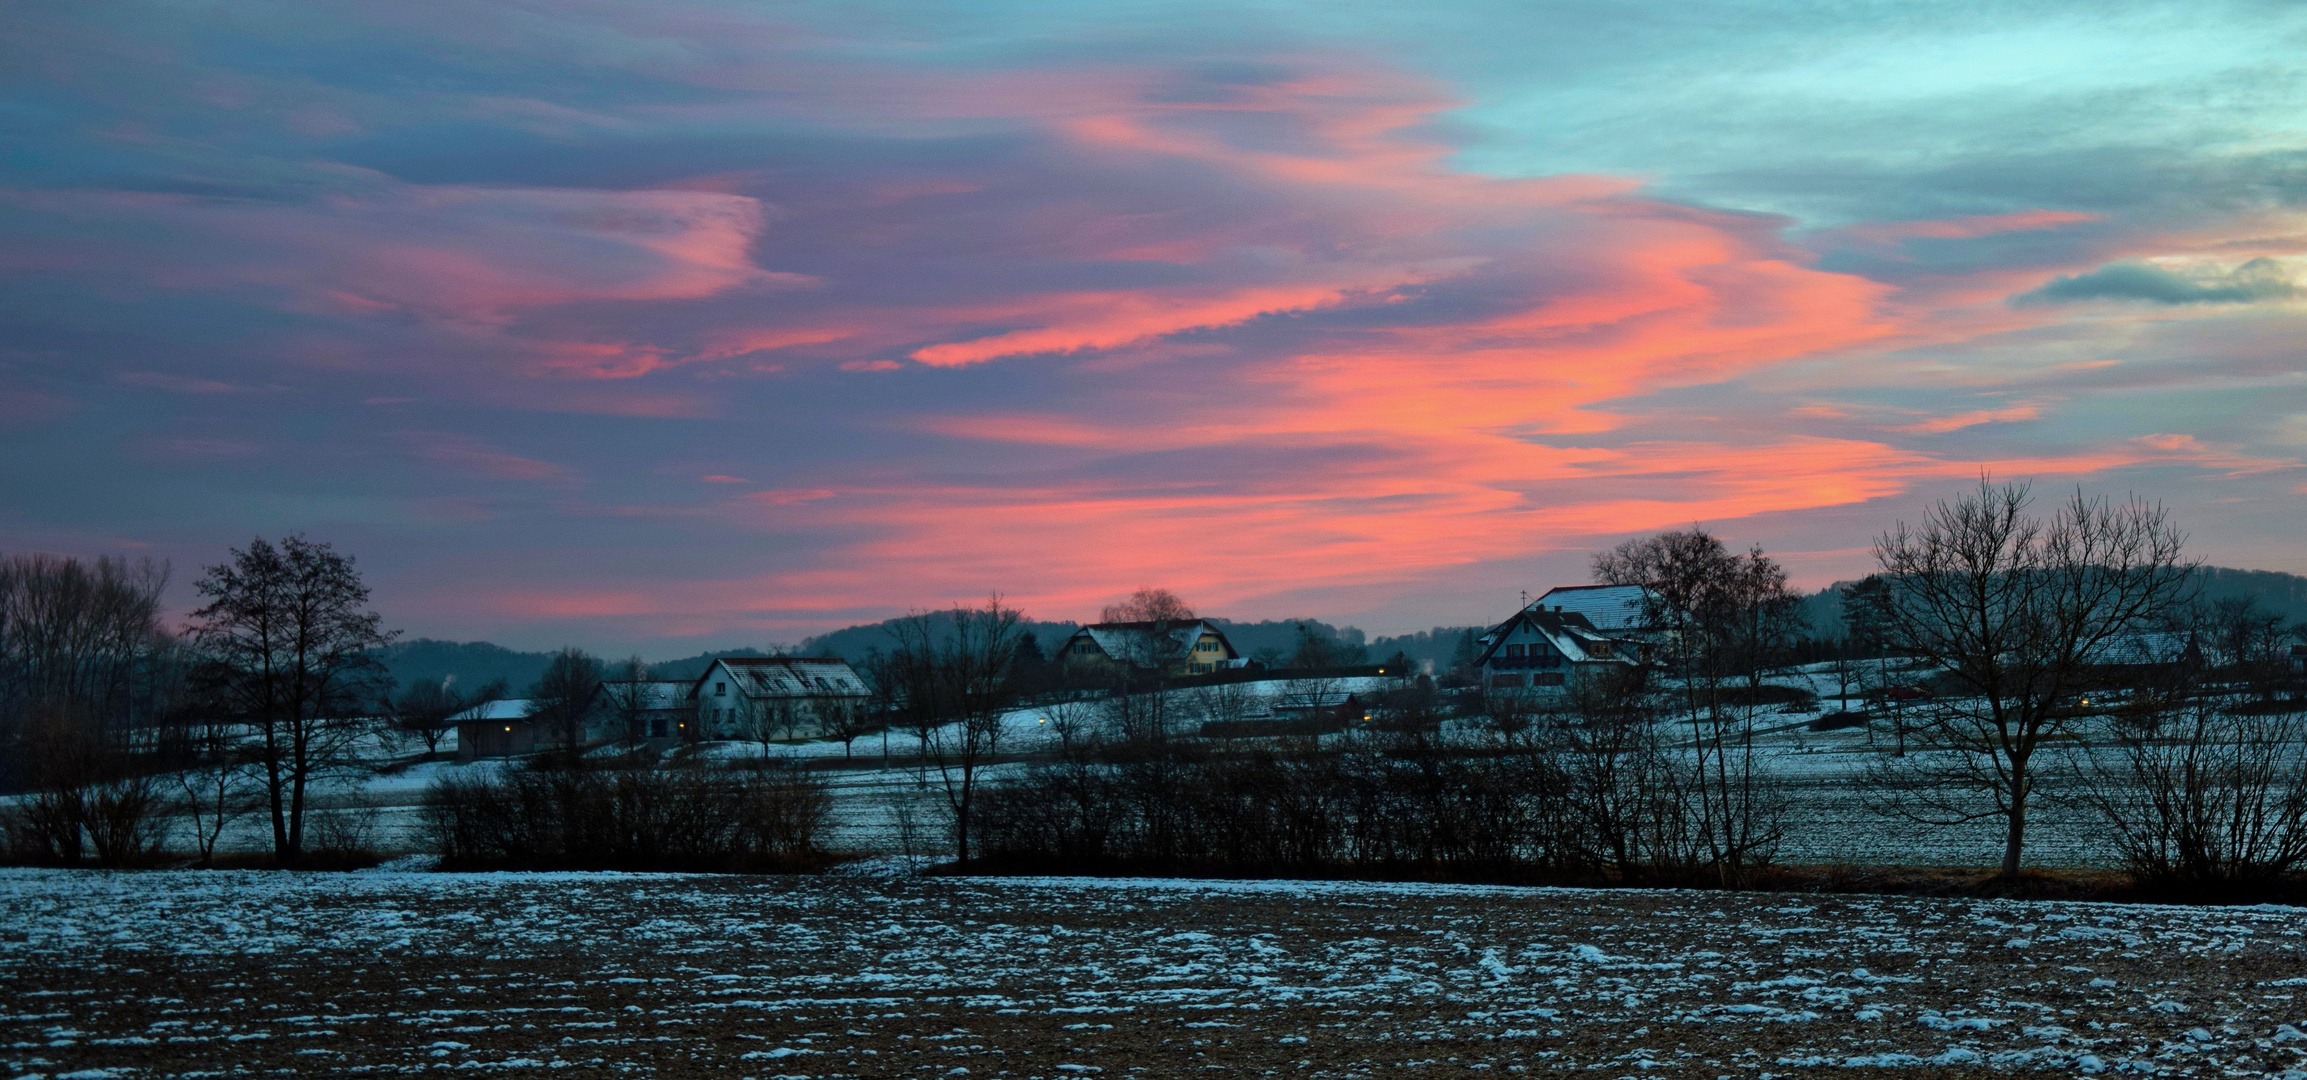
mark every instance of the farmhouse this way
{"type": "Point", "coordinates": [639, 709]}
{"type": "Point", "coordinates": [1547, 652]}
{"type": "Point", "coordinates": [1185, 647]}
{"type": "Point", "coordinates": [762, 697]}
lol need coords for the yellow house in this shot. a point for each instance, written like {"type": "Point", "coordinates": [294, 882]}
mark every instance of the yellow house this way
{"type": "Point", "coordinates": [1184, 647]}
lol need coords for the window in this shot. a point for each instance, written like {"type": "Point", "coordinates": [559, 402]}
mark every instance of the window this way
{"type": "Point", "coordinates": [1514, 652]}
{"type": "Point", "coordinates": [1546, 678]}
{"type": "Point", "coordinates": [1505, 682]}
{"type": "Point", "coordinates": [720, 689]}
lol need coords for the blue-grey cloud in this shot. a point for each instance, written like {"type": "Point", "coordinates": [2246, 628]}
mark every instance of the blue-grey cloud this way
{"type": "Point", "coordinates": [2255, 281]}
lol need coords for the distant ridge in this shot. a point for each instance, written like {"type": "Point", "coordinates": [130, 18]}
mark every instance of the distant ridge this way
{"type": "Point", "coordinates": [2280, 593]}
{"type": "Point", "coordinates": [477, 663]}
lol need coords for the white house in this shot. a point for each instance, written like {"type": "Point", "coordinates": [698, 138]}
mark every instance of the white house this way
{"type": "Point", "coordinates": [752, 697]}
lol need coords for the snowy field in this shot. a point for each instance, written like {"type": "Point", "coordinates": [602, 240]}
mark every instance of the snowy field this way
{"type": "Point", "coordinates": [208, 974]}
{"type": "Point", "coordinates": [886, 802]}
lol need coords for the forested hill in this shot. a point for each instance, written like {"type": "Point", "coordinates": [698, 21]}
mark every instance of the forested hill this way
{"type": "Point", "coordinates": [470, 664]}
{"type": "Point", "coordinates": [2279, 593]}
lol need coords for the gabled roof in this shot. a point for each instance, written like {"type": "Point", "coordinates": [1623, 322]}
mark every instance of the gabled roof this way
{"type": "Point", "coordinates": [1567, 631]}
{"type": "Point", "coordinates": [653, 693]}
{"type": "Point", "coordinates": [1125, 640]}
{"type": "Point", "coordinates": [787, 676]}
{"type": "Point", "coordinates": [500, 709]}
{"type": "Point", "coordinates": [1608, 608]}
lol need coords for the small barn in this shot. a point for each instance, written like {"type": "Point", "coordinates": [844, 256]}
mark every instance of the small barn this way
{"type": "Point", "coordinates": [500, 728]}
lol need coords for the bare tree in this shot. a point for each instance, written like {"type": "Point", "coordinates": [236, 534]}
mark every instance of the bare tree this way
{"type": "Point", "coordinates": [2197, 796]}
{"type": "Point", "coordinates": [954, 669]}
{"type": "Point", "coordinates": [288, 650]}
{"type": "Point", "coordinates": [625, 696]}
{"type": "Point", "coordinates": [425, 709]}
{"type": "Point", "coordinates": [2245, 641]}
{"type": "Point", "coordinates": [564, 699]}
{"type": "Point", "coordinates": [214, 785]}
{"type": "Point", "coordinates": [1148, 640]}
{"type": "Point", "coordinates": [766, 720]}
{"type": "Point", "coordinates": [1726, 618]}
{"type": "Point", "coordinates": [847, 721]}
{"type": "Point", "coordinates": [84, 638]}
{"type": "Point", "coordinates": [2017, 611]}
{"type": "Point", "coordinates": [86, 674]}
{"type": "Point", "coordinates": [1148, 605]}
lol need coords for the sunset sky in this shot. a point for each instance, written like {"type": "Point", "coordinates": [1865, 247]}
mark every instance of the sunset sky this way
{"type": "Point", "coordinates": [664, 325]}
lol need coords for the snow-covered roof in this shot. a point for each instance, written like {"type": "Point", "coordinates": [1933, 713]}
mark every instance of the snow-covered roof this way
{"type": "Point", "coordinates": [789, 676]}
{"type": "Point", "coordinates": [1608, 608]}
{"type": "Point", "coordinates": [1567, 631]}
{"type": "Point", "coordinates": [500, 709]}
{"type": "Point", "coordinates": [652, 693]}
{"type": "Point", "coordinates": [1130, 640]}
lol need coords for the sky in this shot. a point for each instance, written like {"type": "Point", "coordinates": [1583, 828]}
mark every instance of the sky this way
{"type": "Point", "coordinates": [660, 325]}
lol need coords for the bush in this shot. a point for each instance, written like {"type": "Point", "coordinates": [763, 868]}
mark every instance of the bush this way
{"type": "Point", "coordinates": [628, 819]}
{"type": "Point", "coordinates": [1597, 801]}
{"type": "Point", "coordinates": [1838, 721]}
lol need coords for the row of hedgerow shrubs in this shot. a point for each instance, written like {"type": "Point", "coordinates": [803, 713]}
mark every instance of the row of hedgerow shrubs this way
{"type": "Point", "coordinates": [1605, 807]}
{"type": "Point", "coordinates": [628, 819]}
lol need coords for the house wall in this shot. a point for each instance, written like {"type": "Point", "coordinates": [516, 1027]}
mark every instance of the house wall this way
{"type": "Point", "coordinates": [1208, 652]}
{"type": "Point", "coordinates": [496, 738]}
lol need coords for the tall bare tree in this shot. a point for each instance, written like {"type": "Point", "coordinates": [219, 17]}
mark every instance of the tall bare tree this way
{"type": "Point", "coordinates": [952, 671]}
{"type": "Point", "coordinates": [564, 698]}
{"type": "Point", "coordinates": [1725, 620]}
{"type": "Point", "coordinates": [287, 649]}
{"type": "Point", "coordinates": [625, 697]}
{"type": "Point", "coordinates": [2017, 611]}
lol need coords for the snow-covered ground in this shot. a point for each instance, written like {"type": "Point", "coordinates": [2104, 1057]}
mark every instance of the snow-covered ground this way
{"type": "Point", "coordinates": [189, 973]}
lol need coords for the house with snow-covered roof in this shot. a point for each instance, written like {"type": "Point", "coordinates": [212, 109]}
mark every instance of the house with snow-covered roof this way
{"type": "Point", "coordinates": [757, 697]}
{"type": "Point", "coordinates": [1176, 647]}
{"type": "Point", "coordinates": [640, 709]}
{"type": "Point", "coordinates": [1548, 652]}
{"type": "Point", "coordinates": [1610, 609]}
